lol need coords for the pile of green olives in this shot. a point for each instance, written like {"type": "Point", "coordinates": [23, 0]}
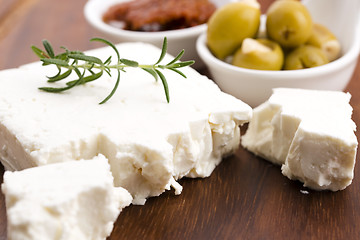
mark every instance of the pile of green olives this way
{"type": "Point", "coordinates": [292, 41]}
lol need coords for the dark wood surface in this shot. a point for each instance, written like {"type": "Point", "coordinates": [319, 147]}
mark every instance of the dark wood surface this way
{"type": "Point", "coordinates": [245, 197]}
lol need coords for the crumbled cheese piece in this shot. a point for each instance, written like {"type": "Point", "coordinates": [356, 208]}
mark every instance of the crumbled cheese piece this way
{"type": "Point", "coordinates": [65, 201]}
{"type": "Point", "coordinates": [149, 143]}
{"type": "Point", "coordinates": [310, 133]}
{"type": "Point", "coordinates": [304, 192]}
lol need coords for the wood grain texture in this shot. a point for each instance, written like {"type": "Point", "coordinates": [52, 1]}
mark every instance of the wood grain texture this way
{"type": "Point", "coordinates": [245, 198]}
{"type": "Point", "coordinates": [12, 13]}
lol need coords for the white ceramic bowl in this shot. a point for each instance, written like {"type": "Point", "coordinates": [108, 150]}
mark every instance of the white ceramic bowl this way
{"type": "Point", "coordinates": [177, 39]}
{"type": "Point", "coordinates": [254, 86]}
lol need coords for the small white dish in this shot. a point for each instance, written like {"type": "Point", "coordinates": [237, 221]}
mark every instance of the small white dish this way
{"type": "Point", "coordinates": [177, 39]}
{"type": "Point", "coordinates": [255, 86]}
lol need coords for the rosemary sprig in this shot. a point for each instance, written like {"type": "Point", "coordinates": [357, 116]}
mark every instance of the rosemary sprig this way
{"type": "Point", "coordinates": [90, 68]}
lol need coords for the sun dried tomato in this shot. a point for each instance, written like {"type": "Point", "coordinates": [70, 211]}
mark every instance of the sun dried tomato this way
{"type": "Point", "coordinates": [159, 15]}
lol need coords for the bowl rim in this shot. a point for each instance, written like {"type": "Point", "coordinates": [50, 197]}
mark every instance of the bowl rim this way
{"type": "Point", "coordinates": [346, 59]}
{"type": "Point", "coordinates": [94, 9]}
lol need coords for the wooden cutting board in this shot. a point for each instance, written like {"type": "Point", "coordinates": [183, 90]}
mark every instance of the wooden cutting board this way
{"type": "Point", "coordinates": [245, 198]}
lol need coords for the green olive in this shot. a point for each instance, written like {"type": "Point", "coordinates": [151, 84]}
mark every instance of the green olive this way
{"type": "Point", "coordinates": [305, 56]}
{"type": "Point", "coordinates": [288, 23]}
{"type": "Point", "coordinates": [261, 54]}
{"type": "Point", "coordinates": [230, 25]}
{"type": "Point", "coordinates": [324, 39]}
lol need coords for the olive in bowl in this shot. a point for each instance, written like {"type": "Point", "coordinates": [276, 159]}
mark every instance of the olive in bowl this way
{"type": "Point", "coordinates": [305, 56]}
{"type": "Point", "coordinates": [260, 54]}
{"type": "Point", "coordinates": [255, 86]}
{"type": "Point", "coordinates": [289, 23]}
{"type": "Point", "coordinates": [230, 25]}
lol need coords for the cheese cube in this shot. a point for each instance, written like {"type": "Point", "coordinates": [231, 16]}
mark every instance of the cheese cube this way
{"type": "Point", "coordinates": [73, 200]}
{"type": "Point", "coordinates": [149, 143]}
{"type": "Point", "coordinates": [310, 133]}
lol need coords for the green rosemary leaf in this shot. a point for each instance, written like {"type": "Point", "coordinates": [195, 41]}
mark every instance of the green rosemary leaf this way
{"type": "Point", "coordinates": [87, 78]}
{"type": "Point", "coordinates": [40, 53]}
{"type": "Point", "coordinates": [107, 70]}
{"type": "Point", "coordinates": [129, 63]}
{"type": "Point", "coordinates": [78, 72]}
{"type": "Point", "coordinates": [62, 56]}
{"type": "Point", "coordinates": [164, 82]}
{"type": "Point", "coordinates": [108, 43]}
{"type": "Point", "coordinates": [65, 48]}
{"type": "Point", "coordinates": [56, 75]}
{"type": "Point", "coordinates": [48, 48]}
{"type": "Point", "coordinates": [73, 51]}
{"type": "Point", "coordinates": [55, 61]}
{"type": "Point", "coordinates": [93, 77]}
{"type": "Point", "coordinates": [81, 77]}
{"type": "Point", "coordinates": [107, 61]}
{"type": "Point", "coordinates": [177, 71]}
{"type": "Point", "coordinates": [86, 58]}
{"type": "Point", "coordinates": [76, 52]}
{"type": "Point", "coordinates": [60, 76]}
{"type": "Point", "coordinates": [55, 90]}
{"type": "Point", "coordinates": [78, 81]}
{"type": "Point", "coordinates": [74, 62]}
{"type": "Point", "coordinates": [114, 89]}
{"type": "Point", "coordinates": [61, 89]}
{"type": "Point", "coordinates": [163, 51]}
{"type": "Point", "coordinates": [177, 57]}
{"type": "Point", "coordinates": [152, 72]}
{"type": "Point", "coordinates": [181, 64]}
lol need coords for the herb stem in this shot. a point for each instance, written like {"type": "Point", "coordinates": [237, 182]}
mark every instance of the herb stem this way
{"type": "Point", "coordinates": [88, 63]}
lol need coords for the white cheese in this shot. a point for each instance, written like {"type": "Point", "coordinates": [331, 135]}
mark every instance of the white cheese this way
{"type": "Point", "coordinates": [64, 201]}
{"type": "Point", "coordinates": [310, 133]}
{"type": "Point", "coordinates": [149, 143]}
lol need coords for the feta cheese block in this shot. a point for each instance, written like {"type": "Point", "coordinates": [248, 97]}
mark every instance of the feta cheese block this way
{"type": "Point", "coordinates": [310, 133]}
{"type": "Point", "coordinates": [66, 201]}
{"type": "Point", "coordinates": [149, 143]}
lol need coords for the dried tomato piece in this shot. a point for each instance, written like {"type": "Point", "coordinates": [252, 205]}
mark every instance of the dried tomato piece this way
{"type": "Point", "coordinates": [160, 15]}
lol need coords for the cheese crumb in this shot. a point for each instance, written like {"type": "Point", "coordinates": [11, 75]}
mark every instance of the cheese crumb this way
{"type": "Point", "coordinates": [66, 201]}
{"type": "Point", "coordinates": [310, 133]}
